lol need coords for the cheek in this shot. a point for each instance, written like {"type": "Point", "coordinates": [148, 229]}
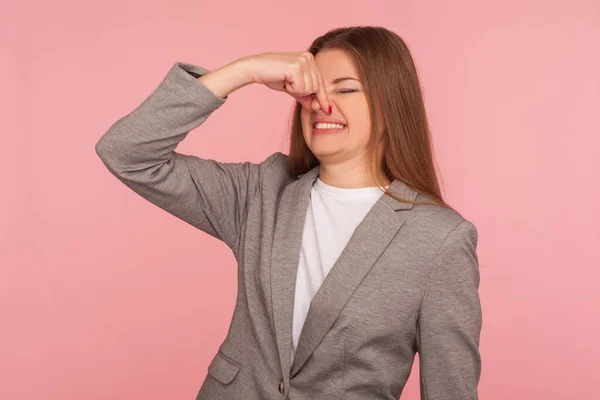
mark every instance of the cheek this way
{"type": "Point", "coordinates": [361, 133]}
{"type": "Point", "coordinates": [360, 124]}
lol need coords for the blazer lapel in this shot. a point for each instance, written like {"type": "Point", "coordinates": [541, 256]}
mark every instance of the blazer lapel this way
{"type": "Point", "coordinates": [289, 227]}
{"type": "Point", "coordinates": [368, 241]}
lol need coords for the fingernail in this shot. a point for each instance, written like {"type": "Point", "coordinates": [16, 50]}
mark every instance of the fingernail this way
{"type": "Point", "coordinates": [330, 109]}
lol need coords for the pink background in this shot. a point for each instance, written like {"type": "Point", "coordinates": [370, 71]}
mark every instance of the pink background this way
{"type": "Point", "coordinates": [105, 296]}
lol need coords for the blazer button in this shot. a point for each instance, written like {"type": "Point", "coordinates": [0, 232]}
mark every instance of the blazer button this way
{"type": "Point", "coordinates": [281, 387]}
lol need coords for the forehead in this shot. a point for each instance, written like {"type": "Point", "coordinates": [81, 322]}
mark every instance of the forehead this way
{"type": "Point", "coordinates": [335, 63]}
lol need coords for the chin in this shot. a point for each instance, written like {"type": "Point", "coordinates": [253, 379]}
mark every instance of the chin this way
{"type": "Point", "coordinates": [327, 145]}
{"type": "Point", "coordinates": [323, 151]}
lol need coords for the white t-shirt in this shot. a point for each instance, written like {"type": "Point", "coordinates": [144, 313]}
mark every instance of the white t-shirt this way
{"type": "Point", "coordinates": [332, 216]}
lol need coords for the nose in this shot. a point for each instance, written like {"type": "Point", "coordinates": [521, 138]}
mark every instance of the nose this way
{"type": "Point", "coordinates": [316, 106]}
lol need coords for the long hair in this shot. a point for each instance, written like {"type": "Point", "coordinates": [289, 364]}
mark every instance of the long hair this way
{"type": "Point", "coordinates": [395, 99]}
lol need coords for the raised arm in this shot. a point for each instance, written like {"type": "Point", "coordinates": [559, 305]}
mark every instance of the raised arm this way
{"type": "Point", "coordinates": [139, 149]}
{"type": "Point", "coordinates": [450, 320]}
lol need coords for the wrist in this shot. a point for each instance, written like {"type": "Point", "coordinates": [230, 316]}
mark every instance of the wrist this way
{"type": "Point", "coordinates": [227, 79]}
{"type": "Point", "coordinates": [242, 68]}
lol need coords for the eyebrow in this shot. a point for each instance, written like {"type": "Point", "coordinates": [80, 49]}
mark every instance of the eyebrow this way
{"type": "Point", "coordinates": [338, 80]}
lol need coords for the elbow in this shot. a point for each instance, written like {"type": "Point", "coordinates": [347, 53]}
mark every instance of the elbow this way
{"type": "Point", "coordinates": [112, 153]}
{"type": "Point", "coordinates": [101, 148]}
{"type": "Point", "coordinates": [104, 150]}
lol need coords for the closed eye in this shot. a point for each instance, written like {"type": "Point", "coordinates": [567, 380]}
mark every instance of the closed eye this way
{"type": "Point", "coordinates": [339, 91]}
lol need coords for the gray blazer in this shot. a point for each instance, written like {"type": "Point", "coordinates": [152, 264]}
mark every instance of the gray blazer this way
{"type": "Point", "coordinates": [407, 281]}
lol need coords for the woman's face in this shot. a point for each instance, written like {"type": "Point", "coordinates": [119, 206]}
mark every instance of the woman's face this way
{"type": "Point", "coordinates": [334, 144]}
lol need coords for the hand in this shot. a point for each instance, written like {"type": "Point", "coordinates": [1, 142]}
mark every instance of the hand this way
{"type": "Point", "coordinates": [294, 73]}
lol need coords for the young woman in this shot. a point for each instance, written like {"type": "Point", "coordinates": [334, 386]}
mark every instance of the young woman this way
{"type": "Point", "coordinates": [349, 259]}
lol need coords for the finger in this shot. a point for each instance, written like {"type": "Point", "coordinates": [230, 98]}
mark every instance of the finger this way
{"type": "Point", "coordinates": [315, 78]}
{"type": "Point", "coordinates": [321, 95]}
{"type": "Point", "coordinates": [307, 69]}
{"type": "Point", "coordinates": [293, 81]}
{"type": "Point", "coordinates": [314, 103]}
{"type": "Point", "coordinates": [308, 82]}
{"type": "Point", "coordinates": [297, 84]}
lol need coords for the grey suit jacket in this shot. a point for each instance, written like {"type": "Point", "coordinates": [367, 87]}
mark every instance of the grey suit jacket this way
{"type": "Point", "coordinates": [407, 281]}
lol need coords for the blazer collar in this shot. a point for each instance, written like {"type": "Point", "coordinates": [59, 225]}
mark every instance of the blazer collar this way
{"type": "Point", "coordinates": [369, 240]}
{"type": "Point", "coordinates": [397, 188]}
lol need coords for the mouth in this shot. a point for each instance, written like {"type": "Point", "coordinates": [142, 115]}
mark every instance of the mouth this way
{"type": "Point", "coordinates": [328, 127]}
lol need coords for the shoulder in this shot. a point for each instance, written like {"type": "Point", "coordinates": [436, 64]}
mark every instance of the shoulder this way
{"type": "Point", "coordinates": [436, 225]}
{"type": "Point", "coordinates": [275, 169]}
{"type": "Point", "coordinates": [281, 162]}
{"type": "Point", "coordinates": [278, 161]}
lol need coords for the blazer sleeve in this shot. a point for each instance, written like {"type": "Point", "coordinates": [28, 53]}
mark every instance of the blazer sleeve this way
{"type": "Point", "coordinates": [450, 319]}
{"type": "Point", "coordinates": [139, 149]}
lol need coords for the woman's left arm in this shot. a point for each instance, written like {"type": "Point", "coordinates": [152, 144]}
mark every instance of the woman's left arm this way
{"type": "Point", "coordinates": [449, 322]}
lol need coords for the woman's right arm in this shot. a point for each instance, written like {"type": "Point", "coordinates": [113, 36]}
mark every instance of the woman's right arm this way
{"type": "Point", "coordinates": [139, 148]}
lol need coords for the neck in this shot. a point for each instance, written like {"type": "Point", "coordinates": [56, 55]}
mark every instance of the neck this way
{"type": "Point", "coordinates": [349, 175]}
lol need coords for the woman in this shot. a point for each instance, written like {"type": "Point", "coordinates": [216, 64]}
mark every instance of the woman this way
{"type": "Point", "coordinates": [349, 259]}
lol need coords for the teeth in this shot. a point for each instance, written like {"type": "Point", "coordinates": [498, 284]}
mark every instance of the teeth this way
{"type": "Point", "coordinates": [321, 125]}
